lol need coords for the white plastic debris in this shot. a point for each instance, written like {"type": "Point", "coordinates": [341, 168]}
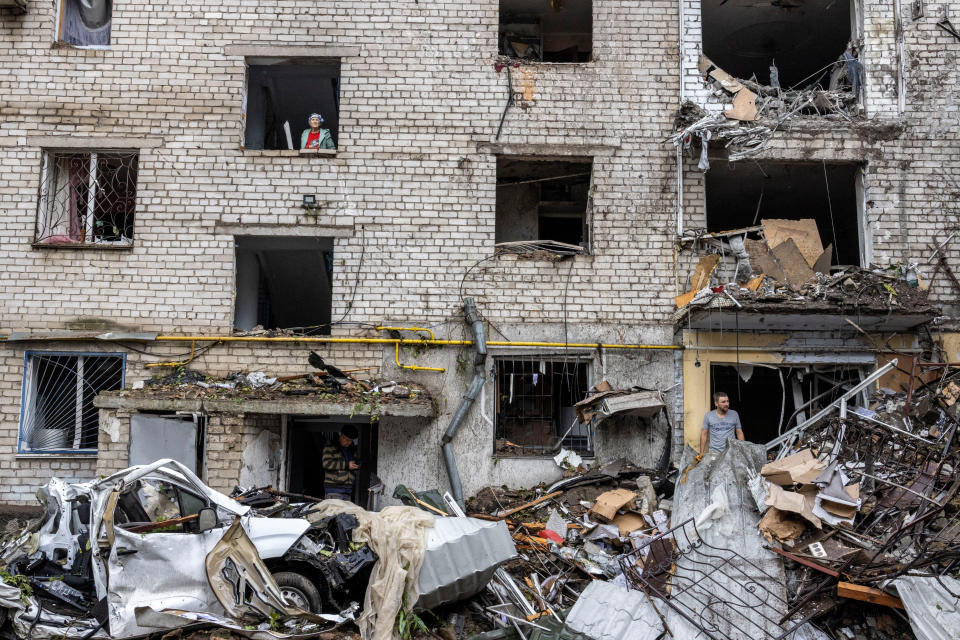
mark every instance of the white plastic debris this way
{"type": "Point", "coordinates": [718, 507]}
{"type": "Point", "coordinates": [567, 459]}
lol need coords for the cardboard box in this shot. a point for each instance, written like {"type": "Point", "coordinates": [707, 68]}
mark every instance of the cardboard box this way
{"type": "Point", "coordinates": [800, 468]}
{"type": "Point", "coordinates": [607, 504]}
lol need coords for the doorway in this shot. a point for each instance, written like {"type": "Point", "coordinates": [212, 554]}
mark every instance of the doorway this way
{"type": "Point", "coordinates": [772, 399]}
{"type": "Point", "coordinates": [306, 438]}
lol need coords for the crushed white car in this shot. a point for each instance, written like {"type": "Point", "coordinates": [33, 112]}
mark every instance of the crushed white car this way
{"type": "Point", "coordinates": [152, 548]}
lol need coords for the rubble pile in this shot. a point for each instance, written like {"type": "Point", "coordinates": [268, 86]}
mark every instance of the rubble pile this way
{"type": "Point", "coordinates": [323, 381]}
{"type": "Point", "coordinates": [568, 535]}
{"type": "Point", "coordinates": [787, 268]}
{"type": "Point", "coordinates": [859, 502]}
{"type": "Point", "coordinates": [759, 110]}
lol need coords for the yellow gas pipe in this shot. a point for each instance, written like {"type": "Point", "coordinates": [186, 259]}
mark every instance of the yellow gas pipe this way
{"type": "Point", "coordinates": [396, 350]}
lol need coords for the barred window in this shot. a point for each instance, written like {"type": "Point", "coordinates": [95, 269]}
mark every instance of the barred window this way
{"type": "Point", "coordinates": [58, 390]}
{"type": "Point", "coordinates": [87, 198]}
{"type": "Point", "coordinates": [535, 406]}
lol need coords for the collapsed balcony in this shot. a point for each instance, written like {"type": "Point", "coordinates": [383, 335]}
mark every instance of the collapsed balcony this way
{"type": "Point", "coordinates": [766, 64]}
{"type": "Point", "coordinates": [803, 268]}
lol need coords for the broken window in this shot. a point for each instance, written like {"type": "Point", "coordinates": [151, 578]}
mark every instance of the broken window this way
{"type": "Point", "coordinates": [87, 197]}
{"type": "Point", "coordinates": [283, 94]}
{"type": "Point", "coordinates": [535, 401]}
{"type": "Point", "coordinates": [58, 391]}
{"type": "Point", "coordinates": [802, 38]}
{"type": "Point", "coordinates": [284, 283]}
{"type": "Point", "coordinates": [771, 399]}
{"type": "Point", "coordinates": [84, 23]}
{"type": "Point", "coordinates": [151, 500]}
{"type": "Point", "coordinates": [546, 30]}
{"type": "Point", "coordinates": [543, 199]}
{"type": "Point", "coordinates": [741, 194]}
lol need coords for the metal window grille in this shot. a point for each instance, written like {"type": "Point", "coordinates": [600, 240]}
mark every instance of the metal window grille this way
{"type": "Point", "coordinates": [58, 411]}
{"type": "Point", "coordinates": [87, 198]}
{"type": "Point", "coordinates": [716, 592]}
{"type": "Point", "coordinates": [534, 405]}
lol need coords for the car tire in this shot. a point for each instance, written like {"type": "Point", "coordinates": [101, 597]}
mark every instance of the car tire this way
{"type": "Point", "coordinates": [298, 591]}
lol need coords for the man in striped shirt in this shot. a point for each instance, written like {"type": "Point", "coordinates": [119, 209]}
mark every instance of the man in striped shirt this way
{"type": "Point", "coordinates": [340, 465]}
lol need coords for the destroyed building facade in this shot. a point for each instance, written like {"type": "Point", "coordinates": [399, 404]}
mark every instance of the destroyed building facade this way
{"type": "Point", "coordinates": [157, 208]}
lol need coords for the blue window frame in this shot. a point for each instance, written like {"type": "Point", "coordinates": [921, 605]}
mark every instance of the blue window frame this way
{"type": "Point", "coordinates": [57, 413]}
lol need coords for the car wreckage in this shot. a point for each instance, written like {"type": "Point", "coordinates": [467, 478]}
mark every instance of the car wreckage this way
{"type": "Point", "coordinates": [152, 548]}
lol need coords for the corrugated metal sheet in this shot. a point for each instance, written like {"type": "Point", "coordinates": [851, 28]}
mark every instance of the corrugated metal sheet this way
{"type": "Point", "coordinates": [606, 611]}
{"type": "Point", "coordinates": [934, 613]}
{"type": "Point", "coordinates": [461, 557]}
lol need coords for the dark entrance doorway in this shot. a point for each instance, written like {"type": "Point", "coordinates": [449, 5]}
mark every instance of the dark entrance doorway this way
{"type": "Point", "coordinates": [757, 399]}
{"type": "Point", "coordinates": [768, 397]}
{"type": "Point", "coordinates": [306, 438]}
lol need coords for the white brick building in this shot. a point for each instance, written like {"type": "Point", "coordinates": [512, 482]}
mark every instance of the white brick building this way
{"type": "Point", "coordinates": [140, 197]}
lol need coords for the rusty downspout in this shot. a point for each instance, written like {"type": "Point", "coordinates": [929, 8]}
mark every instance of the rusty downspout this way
{"type": "Point", "coordinates": [479, 360]}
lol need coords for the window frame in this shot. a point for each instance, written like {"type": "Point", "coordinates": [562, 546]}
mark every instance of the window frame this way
{"type": "Point", "coordinates": [304, 60]}
{"type": "Point", "coordinates": [25, 390]}
{"type": "Point", "coordinates": [58, 41]}
{"type": "Point", "coordinates": [587, 217]}
{"type": "Point", "coordinates": [46, 198]}
{"type": "Point", "coordinates": [577, 359]}
{"type": "Point", "coordinates": [537, 18]}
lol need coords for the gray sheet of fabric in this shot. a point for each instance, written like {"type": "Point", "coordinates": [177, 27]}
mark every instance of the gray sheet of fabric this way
{"type": "Point", "coordinates": [933, 609]}
{"type": "Point", "coordinates": [721, 601]}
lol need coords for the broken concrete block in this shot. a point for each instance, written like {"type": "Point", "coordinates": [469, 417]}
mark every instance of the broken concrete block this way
{"type": "Point", "coordinates": [822, 265]}
{"type": "Point", "coordinates": [647, 495]}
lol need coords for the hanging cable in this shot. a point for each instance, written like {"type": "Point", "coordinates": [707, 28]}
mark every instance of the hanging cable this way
{"type": "Point", "coordinates": [833, 228]}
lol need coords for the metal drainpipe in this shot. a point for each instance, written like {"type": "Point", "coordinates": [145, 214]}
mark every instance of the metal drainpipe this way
{"type": "Point", "coordinates": [479, 360]}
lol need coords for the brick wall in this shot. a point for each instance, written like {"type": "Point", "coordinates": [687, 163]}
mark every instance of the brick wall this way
{"type": "Point", "coordinates": [410, 195]}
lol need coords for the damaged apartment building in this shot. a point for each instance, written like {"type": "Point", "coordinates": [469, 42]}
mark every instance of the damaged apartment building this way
{"type": "Point", "coordinates": [514, 202]}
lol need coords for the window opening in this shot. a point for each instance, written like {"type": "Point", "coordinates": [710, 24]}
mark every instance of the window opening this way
{"type": "Point", "coordinates": [284, 283]}
{"type": "Point", "coordinates": [283, 94]}
{"type": "Point", "coordinates": [534, 406]}
{"type": "Point", "coordinates": [153, 500]}
{"type": "Point", "coordinates": [741, 194]}
{"type": "Point", "coordinates": [546, 30]}
{"type": "Point", "coordinates": [803, 38]}
{"type": "Point", "coordinates": [58, 411]}
{"type": "Point", "coordinates": [84, 23]}
{"type": "Point", "coordinates": [543, 199]}
{"type": "Point", "coordinates": [757, 395]}
{"type": "Point", "coordinates": [87, 198]}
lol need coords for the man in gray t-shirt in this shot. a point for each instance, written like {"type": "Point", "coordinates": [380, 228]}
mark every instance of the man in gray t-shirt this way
{"type": "Point", "coordinates": [720, 424]}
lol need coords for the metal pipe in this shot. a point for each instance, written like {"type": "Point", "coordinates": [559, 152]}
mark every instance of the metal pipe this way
{"type": "Point", "coordinates": [479, 361]}
{"type": "Point", "coordinates": [789, 436]}
{"type": "Point", "coordinates": [402, 341]}
{"type": "Point", "coordinates": [460, 343]}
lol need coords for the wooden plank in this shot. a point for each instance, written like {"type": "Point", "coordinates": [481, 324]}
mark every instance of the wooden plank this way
{"type": "Point", "coordinates": [705, 268]}
{"type": "Point", "coordinates": [532, 503]}
{"type": "Point", "coordinates": [868, 594]}
{"type": "Point", "coordinates": [762, 261]}
{"type": "Point", "coordinates": [803, 232]}
{"type": "Point", "coordinates": [744, 107]}
{"type": "Point", "coordinates": [805, 562]}
{"type": "Point", "coordinates": [794, 265]}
